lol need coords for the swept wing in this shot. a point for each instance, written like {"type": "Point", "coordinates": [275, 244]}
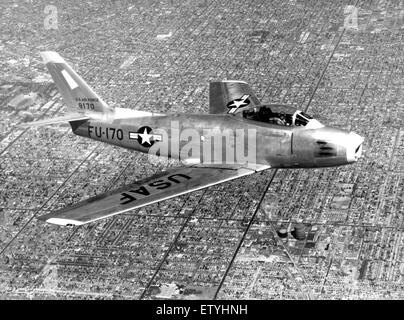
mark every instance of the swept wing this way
{"type": "Point", "coordinates": [162, 186]}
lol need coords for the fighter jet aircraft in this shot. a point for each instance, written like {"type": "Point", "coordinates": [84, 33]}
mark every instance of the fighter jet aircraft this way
{"type": "Point", "coordinates": [239, 137]}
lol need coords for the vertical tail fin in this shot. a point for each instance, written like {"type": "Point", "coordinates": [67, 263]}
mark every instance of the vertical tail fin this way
{"type": "Point", "coordinates": [74, 90]}
{"type": "Point", "coordinates": [229, 95]}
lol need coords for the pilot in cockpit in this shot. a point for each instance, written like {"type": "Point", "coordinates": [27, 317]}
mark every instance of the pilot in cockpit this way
{"type": "Point", "coordinates": [279, 119]}
{"type": "Point", "coordinates": [280, 115]}
{"type": "Point", "coordinates": [265, 114]}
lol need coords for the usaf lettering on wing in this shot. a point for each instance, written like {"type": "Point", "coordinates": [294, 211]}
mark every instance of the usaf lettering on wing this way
{"type": "Point", "coordinates": [149, 189]}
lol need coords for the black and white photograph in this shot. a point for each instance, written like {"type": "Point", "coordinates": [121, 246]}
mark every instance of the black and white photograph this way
{"type": "Point", "coordinates": [221, 151]}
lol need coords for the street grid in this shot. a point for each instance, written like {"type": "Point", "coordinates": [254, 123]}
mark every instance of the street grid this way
{"type": "Point", "coordinates": [221, 242]}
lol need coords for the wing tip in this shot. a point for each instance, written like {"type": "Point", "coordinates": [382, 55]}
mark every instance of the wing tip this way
{"type": "Point", "coordinates": [51, 56]}
{"type": "Point", "coordinates": [234, 81]}
{"type": "Point", "coordinates": [60, 221]}
{"type": "Point", "coordinates": [228, 81]}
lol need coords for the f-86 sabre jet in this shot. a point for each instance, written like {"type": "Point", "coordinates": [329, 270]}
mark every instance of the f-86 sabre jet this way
{"type": "Point", "coordinates": [271, 135]}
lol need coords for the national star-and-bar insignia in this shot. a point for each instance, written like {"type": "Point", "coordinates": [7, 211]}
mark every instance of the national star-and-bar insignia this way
{"type": "Point", "coordinates": [145, 137]}
{"type": "Point", "coordinates": [238, 103]}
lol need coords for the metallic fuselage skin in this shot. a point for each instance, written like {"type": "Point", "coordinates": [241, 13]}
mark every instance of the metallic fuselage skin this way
{"type": "Point", "coordinates": [276, 146]}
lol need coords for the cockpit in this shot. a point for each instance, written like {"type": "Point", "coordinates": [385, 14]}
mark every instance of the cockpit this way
{"type": "Point", "coordinates": [281, 115]}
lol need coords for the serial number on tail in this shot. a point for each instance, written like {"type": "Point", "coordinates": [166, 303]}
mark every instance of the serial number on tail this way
{"type": "Point", "coordinates": [86, 105]}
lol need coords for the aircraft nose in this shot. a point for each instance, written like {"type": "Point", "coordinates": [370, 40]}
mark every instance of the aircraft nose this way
{"type": "Point", "coordinates": [354, 147]}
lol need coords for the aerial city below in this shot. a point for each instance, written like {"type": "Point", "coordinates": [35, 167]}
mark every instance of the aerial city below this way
{"type": "Point", "coordinates": [316, 213]}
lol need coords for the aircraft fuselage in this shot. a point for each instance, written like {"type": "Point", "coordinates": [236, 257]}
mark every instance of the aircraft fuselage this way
{"type": "Point", "coordinates": [200, 138]}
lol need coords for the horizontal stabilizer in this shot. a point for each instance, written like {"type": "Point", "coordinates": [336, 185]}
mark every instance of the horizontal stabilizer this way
{"type": "Point", "coordinates": [64, 119]}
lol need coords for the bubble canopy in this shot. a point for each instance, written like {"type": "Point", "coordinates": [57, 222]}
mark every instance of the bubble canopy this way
{"type": "Point", "coordinates": [279, 114]}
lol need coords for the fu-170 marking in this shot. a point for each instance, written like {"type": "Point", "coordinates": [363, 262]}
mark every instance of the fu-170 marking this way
{"type": "Point", "coordinates": [272, 135]}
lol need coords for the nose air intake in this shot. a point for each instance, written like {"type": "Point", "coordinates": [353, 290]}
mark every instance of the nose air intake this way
{"type": "Point", "coordinates": [354, 147]}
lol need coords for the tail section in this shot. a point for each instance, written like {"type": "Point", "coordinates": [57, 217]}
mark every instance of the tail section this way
{"type": "Point", "coordinates": [83, 102]}
{"type": "Point", "coordinates": [75, 91]}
